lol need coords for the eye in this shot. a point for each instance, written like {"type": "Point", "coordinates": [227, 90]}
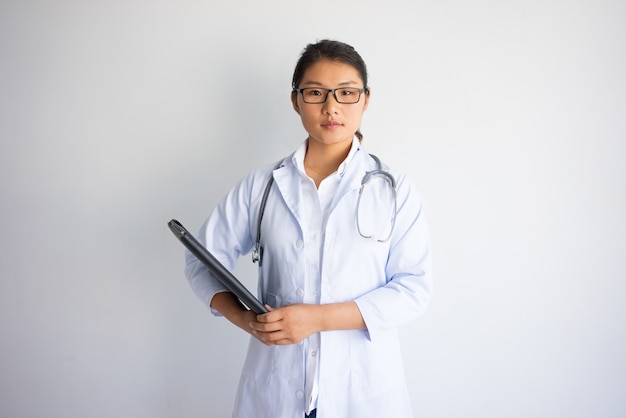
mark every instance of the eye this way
{"type": "Point", "coordinates": [312, 92]}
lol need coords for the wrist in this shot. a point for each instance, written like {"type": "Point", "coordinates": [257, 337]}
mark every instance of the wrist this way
{"type": "Point", "coordinates": [340, 316]}
{"type": "Point", "coordinates": [228, 305]}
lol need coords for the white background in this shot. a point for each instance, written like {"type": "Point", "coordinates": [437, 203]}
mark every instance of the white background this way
{"type": "Point", "coordinates": [116, 116]}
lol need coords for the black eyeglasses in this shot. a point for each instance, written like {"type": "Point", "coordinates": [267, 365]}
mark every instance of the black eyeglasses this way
{"type": "Point", "coordinates": [317, 95]}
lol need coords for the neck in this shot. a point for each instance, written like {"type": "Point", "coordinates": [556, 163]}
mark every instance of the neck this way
{"type": "Point", "coordinates": [322, 160]}
{"type": "Point", "coordinates": [325, 158]}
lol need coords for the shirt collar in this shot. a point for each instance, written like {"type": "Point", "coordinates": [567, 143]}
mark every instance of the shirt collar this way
{"type": "Point", "coordinates": [298, 156]}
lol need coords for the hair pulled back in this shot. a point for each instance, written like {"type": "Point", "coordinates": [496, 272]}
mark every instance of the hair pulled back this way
{"type": "Point", "coordinates": [330, 50]}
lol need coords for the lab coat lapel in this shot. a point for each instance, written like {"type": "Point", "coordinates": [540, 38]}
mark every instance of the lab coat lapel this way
{"type": "Point", "coordinates": [287, 179]}
{"type": "Point", "coordinates": [351, 181]}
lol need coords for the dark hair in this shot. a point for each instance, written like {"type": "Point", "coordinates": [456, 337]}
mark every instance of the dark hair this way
{"type": "Point", "coordinates": [334, 51]}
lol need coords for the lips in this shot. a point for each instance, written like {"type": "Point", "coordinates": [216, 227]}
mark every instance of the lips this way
{"type": "Point", "coordinates": [331, 124]}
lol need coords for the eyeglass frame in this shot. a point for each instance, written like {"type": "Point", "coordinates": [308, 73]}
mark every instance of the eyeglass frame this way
{"type": "Point", "coordinates": [333, 91]}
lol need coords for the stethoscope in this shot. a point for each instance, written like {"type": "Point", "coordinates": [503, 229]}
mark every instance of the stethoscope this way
{"type": "Point", "coordinates": [257, 253]}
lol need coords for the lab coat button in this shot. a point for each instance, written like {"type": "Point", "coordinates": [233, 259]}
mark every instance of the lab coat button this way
{"type": "Point", "coordinates": [300, 293]}
{"type": "Point", "coordinates": [314, 353]}
{"type": "Point", "coordinates": [299, 243]}
{"type": "Point", "coordinates": [299, 394]}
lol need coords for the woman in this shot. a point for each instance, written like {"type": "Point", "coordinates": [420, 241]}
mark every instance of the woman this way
{"type": "Point", "coordinates": [338, 281]}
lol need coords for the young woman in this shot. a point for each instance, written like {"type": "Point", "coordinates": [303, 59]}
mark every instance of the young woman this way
{"type": "Point", "coordinates": [340, 270]}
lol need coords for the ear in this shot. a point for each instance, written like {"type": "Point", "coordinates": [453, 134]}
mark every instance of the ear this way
{"type": "Point", "coordinates": [294, 102]}
{"type": "Point", "coordinates": [367, 94]}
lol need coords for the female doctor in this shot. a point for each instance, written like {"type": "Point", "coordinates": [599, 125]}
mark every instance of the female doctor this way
{"type": "Point", "coordinates": [340, 269]}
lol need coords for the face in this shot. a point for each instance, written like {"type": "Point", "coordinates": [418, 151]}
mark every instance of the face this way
{"type": "Point", "coordinates": [330, 123]}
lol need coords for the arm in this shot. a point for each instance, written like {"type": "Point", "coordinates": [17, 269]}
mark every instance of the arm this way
{"type": "Point", "coordinates": [292, 323]}
{"type": "Point", "coordinates": [408, 290]}
{"type": "Point", "coordinates": [227, 235]}
{"type": "Point", "coordinates": [227, 304]}
{"type": "Point", "coordinates": [289, 324]}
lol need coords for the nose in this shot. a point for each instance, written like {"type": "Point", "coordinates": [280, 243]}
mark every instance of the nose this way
{"type": "Point", "coordinates": [331, 104]}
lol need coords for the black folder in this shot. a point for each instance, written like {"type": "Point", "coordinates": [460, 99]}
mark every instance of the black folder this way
{"type": "Point", "coordinates": [217, 268]}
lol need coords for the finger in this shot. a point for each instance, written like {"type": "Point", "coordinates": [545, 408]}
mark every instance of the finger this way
{"type": "Point", "coordinates": [274, 337]}
{"type": "Point", "coordinates": [265, 326]}
{"type": "Point", "coordinates": [271, 316]}
{"type": "Point", "coordinates": [268, 338]}
{"type": "Point", "coordinates": [269, 309]}
{"type": "Point", "coordinates": [260, 338]}
{"type": "Point", "coordinates": [284, 341]}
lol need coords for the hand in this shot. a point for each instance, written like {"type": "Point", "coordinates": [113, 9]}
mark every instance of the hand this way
{"type": "Point", "coordinates": [287, 325]}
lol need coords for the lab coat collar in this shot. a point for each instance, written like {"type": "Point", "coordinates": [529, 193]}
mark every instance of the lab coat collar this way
{"type": "Point", "coordinates": [288, 177]}
{"type": "Point", "coordinates": [298, 157]}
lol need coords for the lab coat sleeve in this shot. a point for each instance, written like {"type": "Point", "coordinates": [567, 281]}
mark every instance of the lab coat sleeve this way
{"type": "Point", "coordinates": [226, 234]}
{"type": "Point", "coordinates": [408, 287]}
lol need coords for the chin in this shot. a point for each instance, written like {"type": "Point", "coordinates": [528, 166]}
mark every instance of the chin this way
{"type": "Point", "coordinates": [331, 139]}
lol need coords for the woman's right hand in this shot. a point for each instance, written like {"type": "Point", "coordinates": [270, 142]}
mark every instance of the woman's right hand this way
{"type": "Point", "coordinates": [228, 305]}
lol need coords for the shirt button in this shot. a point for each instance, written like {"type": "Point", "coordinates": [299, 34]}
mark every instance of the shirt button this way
{"type": "Point", "coordinates": [313, 237]}
{"type": "Point", "coordinates": [300, 293]}
{"type": "Point", "coordinates": [299, 394]}
{"type": "Point", "coordinates": [299, 243]}
{"type": "Point", "coordinates": [314, 353]}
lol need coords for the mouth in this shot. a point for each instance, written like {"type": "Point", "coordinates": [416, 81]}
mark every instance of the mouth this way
{"type": "Point", "coordinates": [331, 124]}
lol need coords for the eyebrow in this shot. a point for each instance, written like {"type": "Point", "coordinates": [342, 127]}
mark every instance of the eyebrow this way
{"type": "Point", "coordinates": [317, 83]}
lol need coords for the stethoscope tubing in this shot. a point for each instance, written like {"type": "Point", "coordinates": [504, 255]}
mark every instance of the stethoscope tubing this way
{"type": "Point", "coordinates": [257, 252]}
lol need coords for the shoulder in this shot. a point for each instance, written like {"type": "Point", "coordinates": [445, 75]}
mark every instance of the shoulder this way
{"type": "Point", "coordinates": [375, 162]}
{"type": "Point", "coordinates": [405, 186]}
{"type": "Point", "coordinates": [256, 180]}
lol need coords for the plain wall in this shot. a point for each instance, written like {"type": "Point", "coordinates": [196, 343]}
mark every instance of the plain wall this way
{"type": "Point", "coordinates": [117, 116]}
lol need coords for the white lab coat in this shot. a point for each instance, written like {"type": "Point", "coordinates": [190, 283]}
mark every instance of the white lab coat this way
{"type": "Point", "coordinates": [360, 372]}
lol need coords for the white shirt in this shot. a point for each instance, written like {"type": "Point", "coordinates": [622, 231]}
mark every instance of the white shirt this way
{"type": "Point", "coordinates": [315, 211]}
{"type": "Point", "coordinates": [359, 373]}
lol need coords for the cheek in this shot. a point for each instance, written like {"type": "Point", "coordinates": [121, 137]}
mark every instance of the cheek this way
{"type": "Point", "coordinates": [355, 116]}
{"type": "Point", "coordinates": [308, 115]}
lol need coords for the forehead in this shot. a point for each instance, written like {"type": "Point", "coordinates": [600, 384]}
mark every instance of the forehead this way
{"type": "Point", "coordinates": [331, 73]}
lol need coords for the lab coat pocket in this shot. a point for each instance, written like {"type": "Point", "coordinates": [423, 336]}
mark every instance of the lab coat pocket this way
{"type": "Point", "coordinates": [259, 364]}
{"type": "Point", "coordinates": [376, 366]}
{"type": "Point", "coordinates": [273, 300]}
